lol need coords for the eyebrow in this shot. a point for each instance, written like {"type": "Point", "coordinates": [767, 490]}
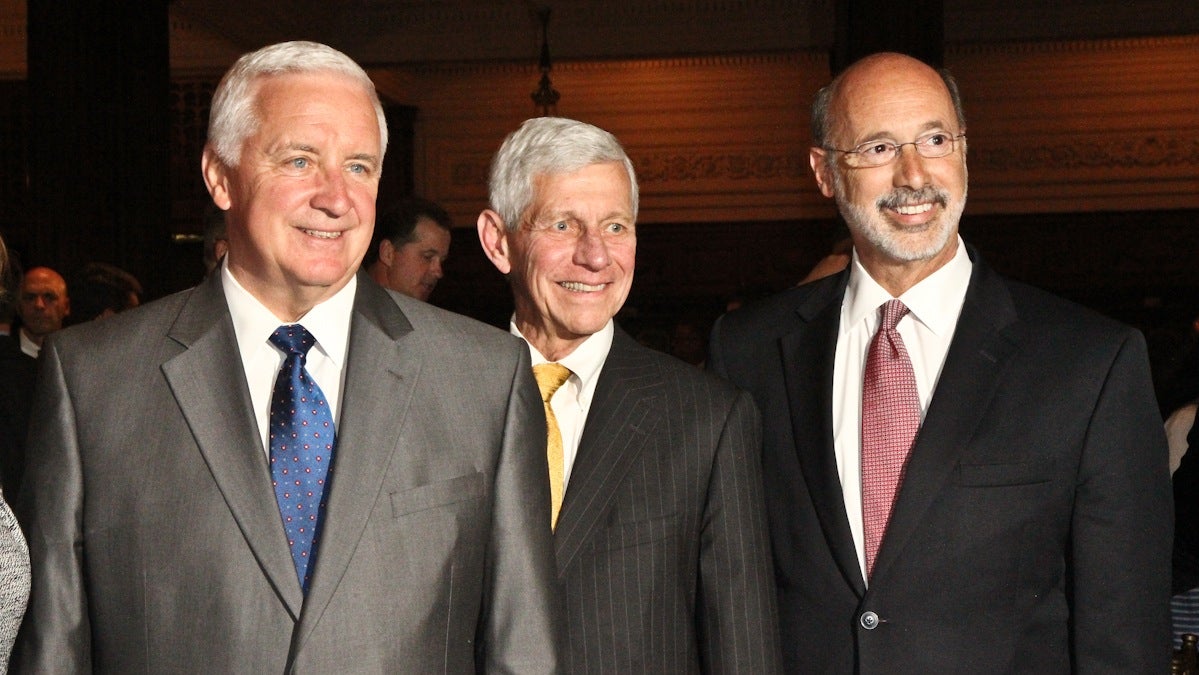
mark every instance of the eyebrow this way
{"type": "Point", "coordinates": [304, 147]}
{"type": "Point", "coordinates": [572, 215]}
{"type": "Point", "coordinates": [924, 128]}
{"type": "Point", "coordinates": [365, 156]}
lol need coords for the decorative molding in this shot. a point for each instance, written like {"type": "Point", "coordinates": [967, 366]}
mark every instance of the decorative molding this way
{"type": "Point", "coordinates": [673, 166]}
{"type": "Point", "coordinates": [1166, 150]}
{"type": "Point", "coordinates": [680, 166]}
{"type": "Point", "coordinates": [1072, 46]}
{"type": "Point", "coordinates": [797, 58]}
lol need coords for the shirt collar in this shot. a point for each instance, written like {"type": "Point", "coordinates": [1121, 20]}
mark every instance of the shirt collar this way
{"type": "Point", "coordinates": [253, 323]}
{"type": "Point", "coordinates": [585, 362]}
{"type": "Point", "coordinates": [935, 301]}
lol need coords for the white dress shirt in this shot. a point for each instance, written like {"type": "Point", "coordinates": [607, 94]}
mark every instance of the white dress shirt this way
{"type": "Point", "coordinates": [31, 348]}
{"type": "Point", "coordinates": [935, 304]}
{"type": "Point", "coordinates": [253, 323]}
{"type": "Point", "coordinates": [572, 401]}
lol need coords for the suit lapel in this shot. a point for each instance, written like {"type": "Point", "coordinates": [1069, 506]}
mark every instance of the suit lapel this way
{"type": "Point", "coordinates": [618, 428]}
{"type": "Point", "coordinates": [808, 353]}
{"type": "Point", "coordinates": [982, 344]}
{"type": "Point", "coordinates": [209, 385]}
{"type": "Point", "coordinates": [381, 374]}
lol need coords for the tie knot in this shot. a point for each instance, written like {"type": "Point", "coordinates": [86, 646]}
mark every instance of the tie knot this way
{"type": "Point", "coordinates": [549, 377]}
{"type": "Point", "coordinates": [293, 339]}
{"type": "Point", "coordinates": [893, 311]}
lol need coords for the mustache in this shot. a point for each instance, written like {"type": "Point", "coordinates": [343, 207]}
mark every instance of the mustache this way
{"type": "Point", "coordinates": [902, 196]}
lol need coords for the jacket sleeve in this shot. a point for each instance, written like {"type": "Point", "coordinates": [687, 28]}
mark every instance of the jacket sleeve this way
{"type": "Point", "coordinates": [738, 607]}
{"type": "Point", "coordinates": [1121, 528]}
{"type": "Point", "coordinates": [56, 635]}
{"type": "Point", "coordinates": [521, 611]}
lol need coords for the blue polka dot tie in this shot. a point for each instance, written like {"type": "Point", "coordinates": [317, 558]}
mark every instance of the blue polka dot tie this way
{"type": "Point", "coordinates": [302, 437]}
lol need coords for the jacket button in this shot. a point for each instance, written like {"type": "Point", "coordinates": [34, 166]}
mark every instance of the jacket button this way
{"type": "Point", "coordinates": [869, 620]}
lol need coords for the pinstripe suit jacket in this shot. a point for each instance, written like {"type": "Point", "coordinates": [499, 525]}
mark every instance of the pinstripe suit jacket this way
{"type": "Point", "coordinates": [661, 543]}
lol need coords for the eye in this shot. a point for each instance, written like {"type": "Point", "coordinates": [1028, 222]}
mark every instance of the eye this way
{"type": "Point", "coordinates": [616, 228]}
{"type": "Point", "coordinates": [298, 162]}
{"type": "Point", "coordinates": [876, 149]}
{"type": "Point", "coordinates": [360, 168]}
{"type": "Point", "coordinates": [560, 226]}
{"type": "Point", "coordinates": [934, 140]}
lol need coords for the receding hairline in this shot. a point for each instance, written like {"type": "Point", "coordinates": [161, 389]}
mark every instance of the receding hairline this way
{"type": "Point", "coordinates": [828, 106]}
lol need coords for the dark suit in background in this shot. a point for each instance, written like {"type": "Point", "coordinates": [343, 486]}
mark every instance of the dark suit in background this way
{"type": "Point", "coordinates": [1186, 517]}
{"type": "Point", "coordinates": [17, 371]}
{"type": "Point", "coordinates": [661, 542]}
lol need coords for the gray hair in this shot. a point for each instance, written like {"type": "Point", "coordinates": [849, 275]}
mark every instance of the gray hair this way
{"type": "Point", "coordinates": [234, 116]}
{"type": "Point", "coordinates": [822, 125]}
{"type": "Point", "coordinates": [545, 146]}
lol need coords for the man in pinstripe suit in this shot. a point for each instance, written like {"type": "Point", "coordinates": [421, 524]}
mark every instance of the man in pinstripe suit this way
{"type": "Point", "coordinates": [662, 552]}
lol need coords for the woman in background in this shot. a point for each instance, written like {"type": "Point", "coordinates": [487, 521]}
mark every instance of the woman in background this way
{"type": "Point", "coordinates": [14, 555]}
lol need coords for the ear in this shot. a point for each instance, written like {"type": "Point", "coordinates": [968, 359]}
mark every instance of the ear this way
{"type": "Point", "coordinates": [216, 178]}
{"type": "Point", "coordinates": [493, 235]}
{"type": "Point", "coordinates": [387, 252]}
{"type": "Point", "coordinates": [820, 161]}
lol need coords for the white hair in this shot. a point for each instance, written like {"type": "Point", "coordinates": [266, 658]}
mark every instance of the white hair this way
{"type": "Point", "coordinates": [545, 146]}
{"type": "Point", "coordinates": [234, 117]}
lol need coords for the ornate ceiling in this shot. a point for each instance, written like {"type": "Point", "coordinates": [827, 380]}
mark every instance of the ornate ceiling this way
{"type": "Point", "coordinates": [209, 34]}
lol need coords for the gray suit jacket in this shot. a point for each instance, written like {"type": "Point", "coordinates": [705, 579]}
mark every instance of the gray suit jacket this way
{"type": "Point", "coordinates": [1031, 533]}
{"type": "Point", "coordinates": [156, 539]}
{"type": "Point", "coordinates": [661, 542]}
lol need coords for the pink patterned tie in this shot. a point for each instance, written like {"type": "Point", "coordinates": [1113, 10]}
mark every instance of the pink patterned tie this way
{"type": "Point", "coordinates": [890, 420]}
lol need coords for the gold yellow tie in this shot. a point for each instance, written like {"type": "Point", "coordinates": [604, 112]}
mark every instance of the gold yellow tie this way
{"type": "Point", "coordinates": [549, 377]}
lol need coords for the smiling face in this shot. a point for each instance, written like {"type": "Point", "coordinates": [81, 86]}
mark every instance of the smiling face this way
{"type": "Point", "coordinates": [570, 261]}
{"type": "Point", "coordinates": [301, 202]}
{"type": "Point", "coordinates": [905, 212]}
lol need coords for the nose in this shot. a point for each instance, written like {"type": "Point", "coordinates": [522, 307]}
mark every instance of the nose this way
{"type": "Point", "coordinates": [909, 168]}
{"type": "Point", "coordinates": [435, 270]}
{"type": "Point", "coordinates": [591, 251]}
{"type": "Point", "coordinates": [332, 195]}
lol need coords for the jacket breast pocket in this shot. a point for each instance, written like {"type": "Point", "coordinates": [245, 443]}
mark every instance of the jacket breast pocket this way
{"type": "Point", "coordinates": [442, 493]}
{"type": "Point", "coordinates": [1028, 472]}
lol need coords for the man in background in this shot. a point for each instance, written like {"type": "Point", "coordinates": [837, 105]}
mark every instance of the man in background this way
{"type": "Point", "coordinates": [964, 474]}
{"type": "Point", "coordinates": [411, 243]}
{"type": "Point", "coordinates": [216, 242]}
{"type": "Point", "coordinates": [660, 528]}
{"type": "Point", "coordinates": [100, 290]}
{"type": "Point", "coordinates": [43, 305]}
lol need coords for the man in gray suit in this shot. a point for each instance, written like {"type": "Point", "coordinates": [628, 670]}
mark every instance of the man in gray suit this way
{"type": "Point", "coordinates": [157, 537]}
{"type": "Point", "coordinates": [661, 537]}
